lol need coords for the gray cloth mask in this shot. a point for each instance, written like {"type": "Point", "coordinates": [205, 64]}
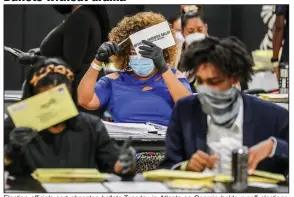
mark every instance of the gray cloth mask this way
{"type": "Point", "coordinates": [221, 106]}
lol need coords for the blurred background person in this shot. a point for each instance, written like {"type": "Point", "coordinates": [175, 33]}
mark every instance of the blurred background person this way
{"type": "Point", "coordinates": [77, 38]}
{"type": "Point", "coordinates": [175, 22]}
{"type": "Point", "coordinates": [147, 85]}
{"type": "Point", "coordinates": [194, 28]}
{"type": "Point", "coordinates": [80, 142]}
{"type": "Point", "coordinates": [280, 34]}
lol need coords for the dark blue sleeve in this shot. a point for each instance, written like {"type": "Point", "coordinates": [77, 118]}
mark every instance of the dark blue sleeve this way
{"type": "Point", "coordinates": [174, 148]}
{"type": "Point", "coordinates": [103, 90]}
{"type": "Point", "coordinates": [282, 135]}
{"type": "Point", "coordinates": [281, 10]}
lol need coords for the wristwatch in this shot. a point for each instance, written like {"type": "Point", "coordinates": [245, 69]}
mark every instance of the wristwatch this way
{"type": "Point", "coordinates": [275, 61]}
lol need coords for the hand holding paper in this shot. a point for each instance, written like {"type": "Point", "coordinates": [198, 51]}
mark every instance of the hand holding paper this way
{"type": "Point", "coordinates": [155, 53]}
{"type": "Point", "coordinates": [200, 160]}
{"type": "Point", "coordinates": [106, 50]}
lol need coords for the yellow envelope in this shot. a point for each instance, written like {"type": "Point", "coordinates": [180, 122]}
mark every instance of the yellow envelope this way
{"type": "Point", "coordinates": [269, 175]}
{"type": "Point", "coordinates": [251, 179]}
{"type": "Point", "coordinates": [69, 175]}
{"type": "Point", "coordinates": [162, 175]}
{"type": "Point", "coordinates": [190, 184]}
{"type": "Point", "coordinates": [44, 110]}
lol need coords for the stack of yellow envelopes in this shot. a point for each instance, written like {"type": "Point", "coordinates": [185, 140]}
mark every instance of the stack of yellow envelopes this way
{"type": "Point", "coordinates": [167, 175]}
{"type": "Point", "coordinates": [68, 175]}
{"type": "Point", "coordinates": [204, 179]}
{"type": "Point", "coordinates": [277, 98]}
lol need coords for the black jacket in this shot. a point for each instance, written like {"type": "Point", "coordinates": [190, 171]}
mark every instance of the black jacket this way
{"type": "Point", "coordinates": [88, 145]}
{"type": "Point", "coordinates": [77, 39]}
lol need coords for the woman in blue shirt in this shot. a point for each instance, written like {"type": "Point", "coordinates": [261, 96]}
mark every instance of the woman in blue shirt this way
{"type": "Point", "coordinates": [147, 88]}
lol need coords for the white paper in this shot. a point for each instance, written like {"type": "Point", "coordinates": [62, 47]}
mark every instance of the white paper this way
{"type": "Point", "coordinates": [136, 187]}
{"type": "Point", "coordinates": [159, 34]}
{"type": "Point", "coordinates": [134, 130]}
{"type": "Point", "coordinates": [264, 80]}
{"type": "Point", "coordinates": [74, 187]}
{"type": "Point", "coordinates": [263, 185]}
{"type": "Point", "coordinates": [284, 105]}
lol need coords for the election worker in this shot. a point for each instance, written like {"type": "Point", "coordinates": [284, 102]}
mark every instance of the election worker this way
{"type": "Point", "coordinates": [194, 28]}
{"type": "Point", "coordinates": [175, 22]}
{"type": "Point", "coordinates": [280, 37]}
{"type": "Point", "coordinates": [205, 128]}
{"type": "Point", "coordinates": [146, 89]}
{"type": "Point", "coordinates": [80, 142]}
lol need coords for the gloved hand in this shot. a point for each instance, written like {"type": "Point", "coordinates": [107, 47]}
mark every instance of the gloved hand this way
{"type": "Point", "coordinates": [106, 50]}
{"type": "Point", "coordinates": [22, 57]}
{"type": "Point", "coordinates": [127, 156]}
{"type": "Point", "coordinates": [35, 51]}
{"type": "Point", "coordinates": [155, 53]}
{"type": "Point", "coordinates": [19, 138]}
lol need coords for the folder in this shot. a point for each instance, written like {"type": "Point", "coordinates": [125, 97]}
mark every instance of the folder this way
{"type": "Point", "coordinates": [269, 175]}
{"type": "Point", "coordinates": [163, 175]}
{"type": "Point", "coordinates": [194, 177]}
{"type": "Point", "coordinates": [69, 175]}
{"type": "Point", "coordinates": [277, 98]}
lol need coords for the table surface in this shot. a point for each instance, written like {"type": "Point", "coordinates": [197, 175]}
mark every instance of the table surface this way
{"type": "Point", "coordinates": [28, 184]}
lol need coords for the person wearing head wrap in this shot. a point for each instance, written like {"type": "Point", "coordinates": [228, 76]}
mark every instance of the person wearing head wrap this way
{"type": "Point", "coordinates": [80, 142]}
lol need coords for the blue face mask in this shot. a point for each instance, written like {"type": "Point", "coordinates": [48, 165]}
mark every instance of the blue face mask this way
{"type": "Point", "coordinates": [141, 66]}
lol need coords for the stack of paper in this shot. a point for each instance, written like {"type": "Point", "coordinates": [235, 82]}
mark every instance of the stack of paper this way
{"type": "Point", "coordinates": [165, 175]}
{"type": "Point", "coordinates": [266, 81]}
{"type": "Point", "coordinates": [190, 184]}
{"type": "Point", "coordinates": [122, 130]}
{"type": "Point", "coordinates": [74, 187]}
{"type": "Point", "coordinates": [257, 177]}
{"type": "Point", "coordinates": [188, 178]}
{"type": "Point", "coordinates": [277, 98]}
{"type": "Point", "coordinates": [68, 175]}
{"type": "Point", "coordinates": [262, 59]}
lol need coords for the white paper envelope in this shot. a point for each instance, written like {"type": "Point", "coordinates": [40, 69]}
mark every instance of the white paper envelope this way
{"type": "Point", "coordinates": [159, 34]}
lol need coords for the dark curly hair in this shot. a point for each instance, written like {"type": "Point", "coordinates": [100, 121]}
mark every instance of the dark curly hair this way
{"type": "Point", "coordinates": [133, 24]}
{"type": "Point", "coordinates": [229, 55]}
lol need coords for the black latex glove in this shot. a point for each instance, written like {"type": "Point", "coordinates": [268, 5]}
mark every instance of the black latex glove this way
{"type": "Point", "coordinates": [19, 138]}
{"type": "Point", "coordinates": [127, 156]}
{"type": "Point", "coordinates": [21, 57]}
{"type": "Point", "coordinates": [155, 53]}
{"type": "Point", "coordinates": [35, 51]}
{"type": "Point", "coordinates": [106, 50]}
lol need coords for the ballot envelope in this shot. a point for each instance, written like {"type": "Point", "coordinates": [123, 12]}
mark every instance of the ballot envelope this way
{"type": "Point", "coordinates": [44, 110]}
